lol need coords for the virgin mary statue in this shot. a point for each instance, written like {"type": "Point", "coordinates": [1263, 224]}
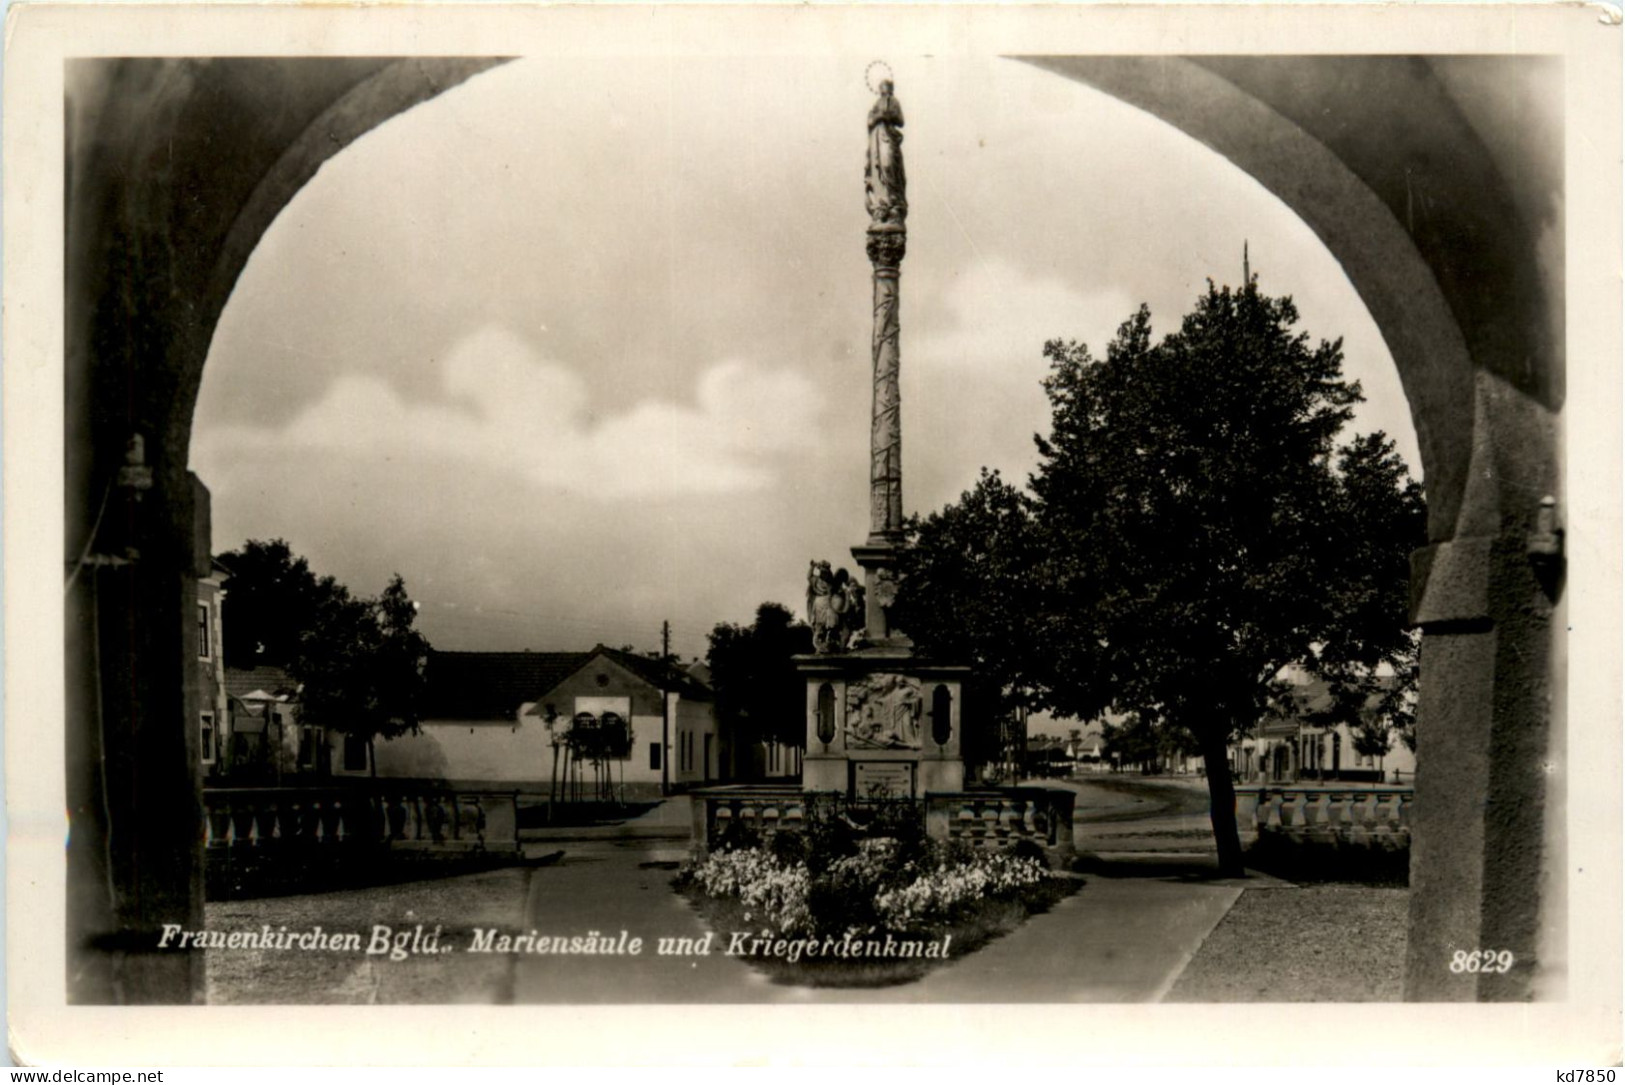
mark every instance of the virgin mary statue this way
{"type": "Point", "coordinates": [883, 176]}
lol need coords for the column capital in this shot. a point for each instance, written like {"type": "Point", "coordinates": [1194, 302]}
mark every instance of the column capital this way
{"type": "Point", "coordinates": [887, 245]}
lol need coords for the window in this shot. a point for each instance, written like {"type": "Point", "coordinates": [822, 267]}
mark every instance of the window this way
{"type": "Point", "coordinates": [654, 755]}
{"type": "Point", "coordinates": [203, 631]}
{"type": "Point", "coordinates": [206, 738]}
{"type": "Point", "coordinates": [826, 713]}
{"type": "Point", "coordinates": [355, 753]}
{"type": "Point", "coordinates": [942, 727]}
{"type": "Point", "coordinates": [309, 740]}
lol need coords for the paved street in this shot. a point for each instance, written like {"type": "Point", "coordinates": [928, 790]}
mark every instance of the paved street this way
{"type": "Point", "coordinates": [1140, 915]}
{"type": "Point", "coordinates": [1123, 937]}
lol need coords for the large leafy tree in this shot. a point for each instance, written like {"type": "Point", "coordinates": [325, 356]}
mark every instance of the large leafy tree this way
{"type": "Point", "coordinates": [1193, 529]}
{"type": "Point", "coordinates": [358, 661]}
{"type": "Point", "coordinates": [971, 594]}
{"type": "Point", "coordinates": [272, 598]}
{"type": "Point", "coordinates": [759, 695]}
{"type": "Point", "coordinates": [1206, 531]}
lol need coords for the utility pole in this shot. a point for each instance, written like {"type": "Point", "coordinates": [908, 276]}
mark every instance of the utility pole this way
{"type": "Point", "coordinates": [665, 713]}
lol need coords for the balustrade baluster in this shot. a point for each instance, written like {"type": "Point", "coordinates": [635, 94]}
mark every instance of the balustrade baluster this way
{"type": "Point", "coordinates": [264, 822]}
{"type": "Point", "coordinates": [1315, 812]}
{"type": "Point", "coordinates": [211, 828]}
{"type": "Point", "coordinates": [1358, 816]}
{"type": "Point", "coordinates": [242, 823]}
{"type": "Point", "coordinates": [1289, 804]}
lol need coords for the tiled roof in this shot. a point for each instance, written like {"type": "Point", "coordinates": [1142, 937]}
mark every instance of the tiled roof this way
{"type": "Point", "coordinates": [1312, 694]}
{"type": "Point", "coordinates": [667, 676]}
{"type": "Point", "coordinates": [241, 681]}
{"type": "Point", "coordinates": [491, 685]}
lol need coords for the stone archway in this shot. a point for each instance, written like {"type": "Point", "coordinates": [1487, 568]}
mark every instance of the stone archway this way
{"type": "Point", "coordinates": [1435, 182]}
{"type": "Point", "coordinates": [175, 169]}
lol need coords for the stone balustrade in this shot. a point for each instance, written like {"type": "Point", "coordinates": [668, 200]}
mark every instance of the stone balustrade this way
{"type": "Point", "coordinates": [331, 817]}
{"type": "Point", "coordinates": [998, 819]}
{"type": "Point", "coordinates": [1325, 811]}
{"type": "Point", "coordinates": [993, 819]}
{"type": "Point", "coordinates": [764, 809]}
{"type": "Point", "coordinates": [269, 840]}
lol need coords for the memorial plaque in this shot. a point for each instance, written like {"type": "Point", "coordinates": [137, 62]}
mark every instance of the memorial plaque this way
{"type": "Point", "coordinates": [883, 779]}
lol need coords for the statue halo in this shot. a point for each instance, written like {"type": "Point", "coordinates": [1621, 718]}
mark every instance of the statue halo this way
{"type": "Point", "coordinates": [869, 75]}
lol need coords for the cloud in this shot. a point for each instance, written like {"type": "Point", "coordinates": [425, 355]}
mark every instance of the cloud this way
{"type": "Point", "coordinates": [507, 409]}
{"type": "Point", "coordinates": [972, 370]}
{"type": "Point", "coordinates": [996, 313]}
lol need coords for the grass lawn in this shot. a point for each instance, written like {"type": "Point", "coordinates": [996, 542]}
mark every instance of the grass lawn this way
{"type": "Point", "coordinates": [1323, 943]}
{"type": "Point", "coordinates": [990, 919]}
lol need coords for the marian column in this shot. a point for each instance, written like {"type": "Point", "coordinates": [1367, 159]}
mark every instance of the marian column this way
{"type": "Point", "coordinates": [885, 189]}
{"type": "Point", "coordinates": [882, 720]}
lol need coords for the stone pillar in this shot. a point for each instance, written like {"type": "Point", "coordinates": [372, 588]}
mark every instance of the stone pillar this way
{"type": "Point", "coordinates": [1486, 871]}
{"type": "Point", "coordinates": [886, 194]}
{"type": "Point", "coordinates": [886, 248]}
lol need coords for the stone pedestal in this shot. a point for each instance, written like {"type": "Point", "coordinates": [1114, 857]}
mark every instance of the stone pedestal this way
{"type": "Point", "coordinates": [882, 723]}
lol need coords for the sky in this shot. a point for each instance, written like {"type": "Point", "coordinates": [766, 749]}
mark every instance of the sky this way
{"type": "Point", "coordinates": [582, 346]}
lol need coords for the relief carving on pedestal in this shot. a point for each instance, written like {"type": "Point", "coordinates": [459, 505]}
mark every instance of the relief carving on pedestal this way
{"type": "Point", "coordinates": [883, 712]}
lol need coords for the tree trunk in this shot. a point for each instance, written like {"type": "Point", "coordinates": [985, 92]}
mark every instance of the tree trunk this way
{"type": "Point", "coordinates": [1222, 809]}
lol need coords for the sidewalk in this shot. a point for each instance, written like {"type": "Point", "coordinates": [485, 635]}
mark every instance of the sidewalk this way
{"type": "Point", "coordinates": [610, 886]}
{"type": "Point", "coordinates": [1115, 940]}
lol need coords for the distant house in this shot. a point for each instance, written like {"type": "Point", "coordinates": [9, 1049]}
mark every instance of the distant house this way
{"type": "Point", "coordinates": [494, 717]}
{"type": "Point", "coordinates": [263, 741]}
{"type": "Point", "coordinates": [266, 743]}
{"type": "Point", "coordinates": [208, 677]}
{"type": "Point", "coordinates": [1287, 747]}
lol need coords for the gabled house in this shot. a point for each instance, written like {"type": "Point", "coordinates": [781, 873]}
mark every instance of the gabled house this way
{"type": "Point", "coordinates": [494, 717]}
{"type": "Point", "coordinates": [1291, 747]}
{"type": "Point", "coordinates": [675, 737]}
{"type": "Point", "coordinates": [471, 731]}
{"type": "Point", "coordinates": [263, 742]}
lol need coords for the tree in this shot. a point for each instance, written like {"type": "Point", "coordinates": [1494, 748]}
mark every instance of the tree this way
{"type": "Point", "coordinates": [272, 598]}
{"type": "Point", "coordinates": [969, 591]}
{"type": "Point", "coordinates": [1133, 742]}
{"type": "Point", "coordinates": [360, 665]}
{"type": "Point", "coordinates": [759, 695]}
{"type": "Point", "coordinates": [1192, 530]}
{"type": "Point", "coordinates": [359, 662]}
{"type": "Point", "coordinates": [1205, 531]}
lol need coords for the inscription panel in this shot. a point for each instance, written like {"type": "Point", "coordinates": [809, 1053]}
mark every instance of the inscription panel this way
{"type": "Point", "coordinates": [883, 779]}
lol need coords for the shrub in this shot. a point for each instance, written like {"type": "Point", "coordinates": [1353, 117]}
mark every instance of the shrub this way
{"type": "Point", "coordinates": [904, 823]}
{"type": "Point", "coordinates": [788, 848]}
{"type": "Point", "coordinates": [937, 896]}
{"type": "Point", "coordinates": [737, 836]}
{"type": "Point", "coordinates": [1380, 859]}
{"type": "Point", "coordinates": [828, 836]}
{"type": "Point", "coordinates": [770, 891]}
{"type": "Point", "coordinates": [1031, 850]}
{"type": "Point", "coordinates": [842, 898]}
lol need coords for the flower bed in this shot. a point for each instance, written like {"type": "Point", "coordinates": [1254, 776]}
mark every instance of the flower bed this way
{"type": "Point", "coordinates": [827, 909]}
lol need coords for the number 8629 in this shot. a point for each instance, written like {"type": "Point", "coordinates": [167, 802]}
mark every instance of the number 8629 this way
{"type": "Point", "coordinates": [1482, 960]}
